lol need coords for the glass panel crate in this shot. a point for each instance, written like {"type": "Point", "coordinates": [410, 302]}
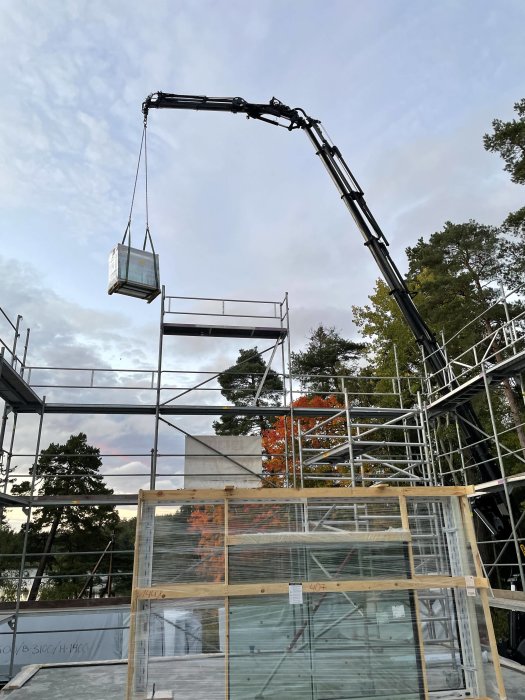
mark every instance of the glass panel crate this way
{"type": "Point", "coordinates": [187, 545]}
{"type": "Point", "coordinates": [133, 272]}
{"type": "Point", "coordinates": [278, 650]}
{"type": "Point", "coordinates": [310, 594]}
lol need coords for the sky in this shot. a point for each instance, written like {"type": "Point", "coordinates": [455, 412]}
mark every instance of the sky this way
{"type": "Point", "coordinates": [237, 208]}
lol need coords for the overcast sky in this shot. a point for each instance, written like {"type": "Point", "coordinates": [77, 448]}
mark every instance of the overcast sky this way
{"type": "Point", "coordinates": [238, 208]}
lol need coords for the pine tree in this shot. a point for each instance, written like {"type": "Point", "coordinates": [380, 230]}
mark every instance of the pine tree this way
{"type": "Point", "coordinates": [71, 468]}
{"type": "Point", "coordinates": [508, 140]}
{"type": "Point", "coordinates": [240, 384]}
{"type": "Point", "coordinates": [327, 355]}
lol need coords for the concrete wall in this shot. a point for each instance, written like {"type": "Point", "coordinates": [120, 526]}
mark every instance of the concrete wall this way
{"type": "Point", "coordinates": [204, 468]}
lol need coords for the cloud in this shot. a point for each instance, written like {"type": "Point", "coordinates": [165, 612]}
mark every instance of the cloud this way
{"type": "Point", "coordinates": [241, 207]}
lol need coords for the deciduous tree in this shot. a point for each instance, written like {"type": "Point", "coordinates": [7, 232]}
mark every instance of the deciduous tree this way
{"type": "Point", "coordinates": [277, 442]}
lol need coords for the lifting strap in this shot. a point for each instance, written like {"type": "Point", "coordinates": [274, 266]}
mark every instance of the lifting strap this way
{"type": "Point", "coordinates": [127, 231]}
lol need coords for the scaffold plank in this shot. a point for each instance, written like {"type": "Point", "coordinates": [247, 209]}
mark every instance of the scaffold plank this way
{"type": "Point", "coordinates": [205, 410]}
{"type": "Point", "coordinates": [13, 501]}
{"type": "Point", "coordinates": [16, 392]}
{"type": "Point", "coordinates": [466, 391]}
{"type": "Point", "coordinates": [213, 331]}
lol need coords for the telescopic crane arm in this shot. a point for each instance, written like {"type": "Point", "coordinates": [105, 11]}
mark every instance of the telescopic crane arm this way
{"type": "Point", "coordinates": [349, 189]}
{"type": "Point", "coordinates": [279, 114]}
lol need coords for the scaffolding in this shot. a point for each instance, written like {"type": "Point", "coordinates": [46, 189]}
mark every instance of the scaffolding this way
{"type": "Point", "coordinates": [360, 434]}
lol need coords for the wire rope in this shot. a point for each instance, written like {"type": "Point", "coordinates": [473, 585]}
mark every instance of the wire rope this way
{"type": "Point", "coordinates": [127, 232]}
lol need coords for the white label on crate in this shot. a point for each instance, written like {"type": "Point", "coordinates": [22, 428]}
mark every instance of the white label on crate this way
{"type": "Point", "coordinates": [471, 587]}
{"type": "Point", "coordinates": [295, 593]}
{"type": "Point", "coordinates": [398, 611]}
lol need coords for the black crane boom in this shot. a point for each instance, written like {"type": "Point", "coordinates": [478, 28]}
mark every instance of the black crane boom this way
{"type": "Point", "coordinates": [279, 114]}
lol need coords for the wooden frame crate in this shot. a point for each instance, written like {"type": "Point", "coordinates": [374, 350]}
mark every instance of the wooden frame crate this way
{"type": "Point", "coordinates": [295, 583]}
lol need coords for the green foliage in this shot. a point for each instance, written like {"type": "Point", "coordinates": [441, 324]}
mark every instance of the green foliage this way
{"type": "Point", "coordinates": [500, 622]}
{"type": "Point", "coordinates": [384, 328]}
{"type": "Point", "coordinates": [239, 386]}
{"type": "Point", "coordinates": [452, 276]}
{"type": "Point", "coordinates": [124, 541]}
{"type": "Point", "coordinates": [458, 270]}
{"type": "Point", "coordinates": [70, 468]}
{"type": "Point", "coordinates": [10, 543]}
{"type": "Point", "coordinates": [327, 353]}
{"type": "Point", "coordinates": [515, 223]}
{"type": "Point", "coordinates": [508, 139]}
{"type": "Point", "coordinates": [66, 531]}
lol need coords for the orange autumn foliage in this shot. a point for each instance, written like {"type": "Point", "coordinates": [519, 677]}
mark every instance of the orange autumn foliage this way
{"type": "Point", "coordinates": [276, 439]}
{"type": "Point", "coordinates": [208, 520]}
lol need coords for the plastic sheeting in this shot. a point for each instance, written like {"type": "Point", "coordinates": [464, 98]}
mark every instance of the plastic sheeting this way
{"type": "Point", "coordinates": [66, 636]}
{"type": "Point", "coordinates": [257, 582]}
{"type": "Point", "coordinates": [133, 272]}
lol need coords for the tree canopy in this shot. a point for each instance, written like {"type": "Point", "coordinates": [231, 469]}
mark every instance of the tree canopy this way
{"type": "Point", "coordinates": [457, 272]}
{"type": "Point", "coordinates": [277, 441]}
{"type": "Point", "coordinates": [239, 385]}
{"type": "Point", "coordinates": [327, 355]}
{"type": "Point", "coordinates": [508, 139]}
{"type": "Point", "coordinates": [391, 347]}
{"type": "Point", "coordinates": [454, 278]}
{"type": "Point", "coordinates": [69, 468]}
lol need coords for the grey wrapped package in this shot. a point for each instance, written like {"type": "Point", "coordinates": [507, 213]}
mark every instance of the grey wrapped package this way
{"type": "Point", "coordinates": [134, 272]}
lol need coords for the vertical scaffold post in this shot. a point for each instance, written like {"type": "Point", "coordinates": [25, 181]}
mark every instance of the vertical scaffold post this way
{"type": "Point", "coordinates": [226, 600]}
{"type": "Point", "coordinates": [34, 475]}
{"type": "Point", "coordinates": [504, 480]}
{"type": "Point", "coordinates": [290, 380]}
{"type": "Point", "coordinates": [405, 524]}
{"type": "Point", "coordinates": [471, 535]}
{"type": "Point", "coordinates": [153, 475]}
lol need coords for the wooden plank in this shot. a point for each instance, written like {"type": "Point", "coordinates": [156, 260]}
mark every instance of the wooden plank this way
{"type": "Point", "coordinates": [518, 596]}
{"type": "Point", "coordinates": [493, 645]}
{"type": "Point", "coordinates": [220, 590]}
{"type": "Point", "coordinates": [497, 484]}
{"type": "Point", "coordinates": [507, 600]}
{"type": "Point", "coordinates": [227, 648]}
{"type": "Point", "coordinates": [471, 536]}
{"type": "Point", "coordinates": [280, 494]}
{"type": "Point", "coordinates": [226, 605]}
{"type": "Point", "coordinates": [405, 523]}
{"type": "Point", "coordinates": [317, 537]}
{"type": "Point", "coordinates": [133, 607]}
{"type": "Point", "coordinates": [22, 677]}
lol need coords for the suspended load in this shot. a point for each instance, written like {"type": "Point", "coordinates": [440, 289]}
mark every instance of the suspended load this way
{"type": "Point", "coordinates": [135, 271]}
